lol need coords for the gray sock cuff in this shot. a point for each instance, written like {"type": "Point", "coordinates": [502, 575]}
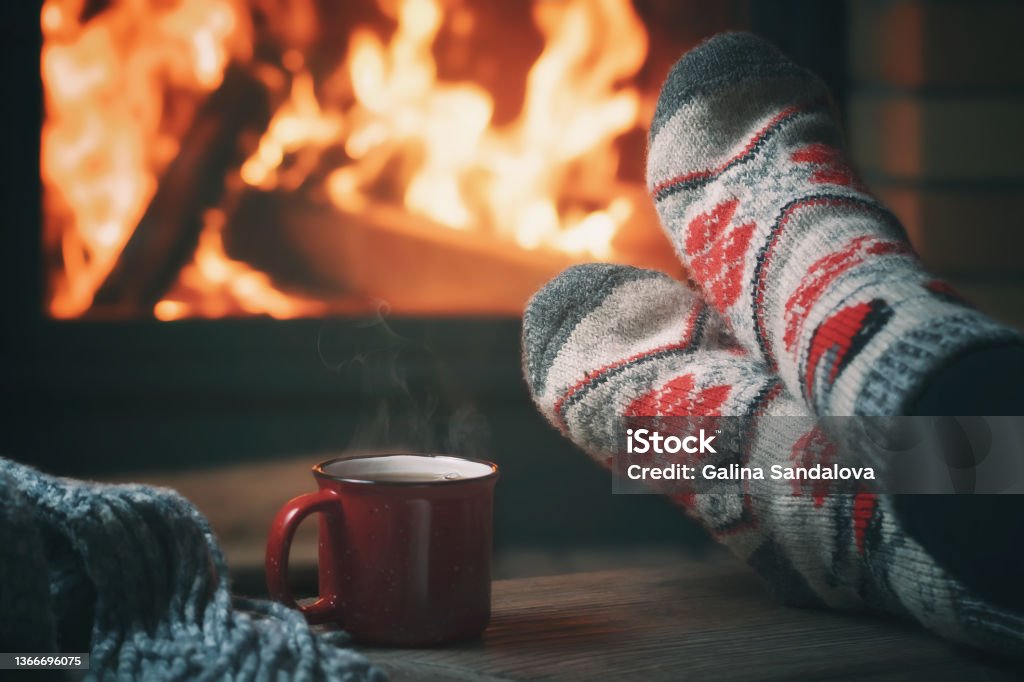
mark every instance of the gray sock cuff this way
{"type": "Point", "coordinates": [726, 58]}
{"type": "Point", "coordinates": [554, 311]}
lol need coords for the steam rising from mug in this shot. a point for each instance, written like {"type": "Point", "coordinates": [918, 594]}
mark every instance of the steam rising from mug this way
{"type": "Point", "coordinates": [408, 400]}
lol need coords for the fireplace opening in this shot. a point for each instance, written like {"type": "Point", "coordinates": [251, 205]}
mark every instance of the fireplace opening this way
{"type": "Point", "coordinates": [202, 236]}
{"type": "Point", "coordinates": [299, 158]}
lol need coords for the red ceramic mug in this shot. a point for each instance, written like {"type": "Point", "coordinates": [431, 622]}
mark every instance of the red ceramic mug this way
{"type": "Point", "coordinates": [405, 547]}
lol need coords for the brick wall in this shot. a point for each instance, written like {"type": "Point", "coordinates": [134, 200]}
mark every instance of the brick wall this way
{"type": "Point", "coordinates": [936, 110]}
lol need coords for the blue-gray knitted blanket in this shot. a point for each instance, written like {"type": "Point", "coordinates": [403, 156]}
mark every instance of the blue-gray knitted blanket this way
{"type": "Point", "coordinates": [133, 575]}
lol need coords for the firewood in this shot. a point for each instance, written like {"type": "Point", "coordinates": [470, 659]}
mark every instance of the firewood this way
{"type": "Point", "coordinates": [166, 236]}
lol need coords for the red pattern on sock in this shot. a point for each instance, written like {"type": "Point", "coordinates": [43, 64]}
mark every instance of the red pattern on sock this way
{"type": "Point", "coordinates": [824, 272]}
{"type": "Point", "coordinates": [718, 252]}
{"type": "Point", "coordinates": [685, 339]}
{"type": "Point", "coordinates": [863, 509]}
{"type": "Point", "coordinates": [833, 167]}
{"type": "Point", "coordinates": [678, 398]}
{"type": "Point", "coordinates": [836, 334]}
{"type": "Point", "coordinates": [814, 447]}
{"type": "Point", "coordinates": [944, 291]}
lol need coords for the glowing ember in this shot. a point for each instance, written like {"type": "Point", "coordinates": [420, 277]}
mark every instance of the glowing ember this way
{"type": "Point", "coordinates": [121, 86]}
{"type": "Point", "coordinates": [214, 285]}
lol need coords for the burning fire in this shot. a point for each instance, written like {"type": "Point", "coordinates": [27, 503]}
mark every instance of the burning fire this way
{"type": "Point", "coordinates": [221, 286]}
{"type": "Point", "coordinates": [383, 127]}
{"type": "Point", "coordinates": [464, 172]}
{"type": "Point", "coordinates": [111, 81]}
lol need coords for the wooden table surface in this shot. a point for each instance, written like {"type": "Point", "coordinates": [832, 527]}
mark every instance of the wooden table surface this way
{"type": "Point", "coordinates": [678, 618]}
{"type": "Point", "coordinates": [700, 620]}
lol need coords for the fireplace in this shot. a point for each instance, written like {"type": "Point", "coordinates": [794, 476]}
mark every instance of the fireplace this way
{"type": "Point", "coordinates": [263, 228]}
{"type": "Point", "coordinates": [221, 180]}
{"type": "Point", "coordinates": [307, 159]}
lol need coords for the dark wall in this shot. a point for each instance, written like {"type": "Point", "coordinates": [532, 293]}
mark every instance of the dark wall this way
{"type": "Point", "coordinates": [813, 33]}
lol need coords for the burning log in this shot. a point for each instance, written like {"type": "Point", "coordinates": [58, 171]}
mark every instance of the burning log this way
{"type": "Point", "coordinates": [383, 252]}
{"type": "Point", "coordinates": [166, 236]}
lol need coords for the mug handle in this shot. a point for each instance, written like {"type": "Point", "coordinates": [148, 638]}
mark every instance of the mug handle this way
{"type": "Point", "coordinates": [279, 544]}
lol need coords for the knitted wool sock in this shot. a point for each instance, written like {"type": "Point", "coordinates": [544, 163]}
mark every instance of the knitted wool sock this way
{"type": "Point", "coordinates": [602, 342]}
{"type": "Point", "coordinates": [812, 273]}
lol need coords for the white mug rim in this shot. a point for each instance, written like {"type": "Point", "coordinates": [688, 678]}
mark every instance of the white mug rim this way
{"type": "Point", "coordinates": [481, 469]}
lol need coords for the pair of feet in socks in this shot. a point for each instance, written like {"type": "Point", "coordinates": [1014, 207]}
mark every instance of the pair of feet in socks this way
{"type": "Point", "coordinates": [807, 301]}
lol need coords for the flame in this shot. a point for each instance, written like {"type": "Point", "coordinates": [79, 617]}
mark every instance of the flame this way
{"type": "Point", "coordinates": [215, 285]}
{"type": "Point", "coordinates": [109, 80]}
{"type": "Point", "coordinates": [515, 180]}
{"type": "Point", "coordinates": [390, 127]}
{"type": "Point", "coordinates": [298, 127]}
